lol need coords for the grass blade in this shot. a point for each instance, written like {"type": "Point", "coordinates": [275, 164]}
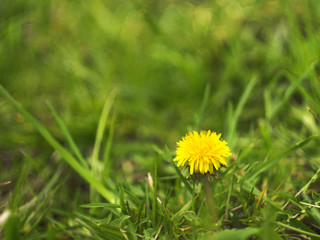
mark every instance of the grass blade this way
{"type": "Point", "coordinates": [233, 122]}
{"type": "Point", "coordinates": [102, 124]}
{"type": "Point", "coordinates": [316, 236]}
{"type": "Point", "coordinates": [155, 193]}
{"type": "Point", "coordinates": [182, 178]}
{"type": "Point", "coordinates": [84, 173]}
{"type": "Point", "coordinates": [240, 234]}
{"type": "Point", "coordinates": [68, 136]}
{"type": "Point", "coordinates": [291, 90]}
{"type": "Point", "coordinates": [273, 160]}
{"type": "Point", "coordinates": [204, 104]}
{"type": "Point", "coordinates": [106, 155]}
{"type": "Point", "coordinates": [94, 160]}
{"type": "Point", "coordinates": [100, 205]}
{"type": "Point", "coordinates": [122, 202]}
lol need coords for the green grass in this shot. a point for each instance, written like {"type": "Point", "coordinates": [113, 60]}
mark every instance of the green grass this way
{"type": "Point", "coordinates": [95, 94]}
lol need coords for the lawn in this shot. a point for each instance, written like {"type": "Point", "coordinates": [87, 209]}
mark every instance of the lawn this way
{"type": "Point", "coordinates": [95, 95]}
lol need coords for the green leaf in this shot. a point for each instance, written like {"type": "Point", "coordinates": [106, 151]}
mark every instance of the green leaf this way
{"type": "Point", "coordinates": [100, 205]}
{"type": "Point", "coordinates": [105, 231]}
{"type": "Point", "coordinates": [268, 233]}
{"type": "Point", "coordinates": [185, 208]}
{"type": "Point", "coordinates": [12, 227]}
{"type": "Point", "coordinates": [119, 221]}
{"type": "Point", "coordinates": [149, 233]}
{"type": "Point", "coordinates": [122, 202]}
{"type": "Point", "coordinates": [239, 234]}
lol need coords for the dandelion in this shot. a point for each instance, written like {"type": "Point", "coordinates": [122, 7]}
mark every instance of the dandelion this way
{"type": "Point", "coordinates": [204, 152]}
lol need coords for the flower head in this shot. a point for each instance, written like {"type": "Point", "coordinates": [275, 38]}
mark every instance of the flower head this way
{"type": "Point", "coordinates": [203, 152]}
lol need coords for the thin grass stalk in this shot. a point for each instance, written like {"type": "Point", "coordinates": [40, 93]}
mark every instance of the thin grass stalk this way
{"type": "Point", "coordinates": [209, 199]}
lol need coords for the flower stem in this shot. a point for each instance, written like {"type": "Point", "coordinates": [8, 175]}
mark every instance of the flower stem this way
{"type": "Point", "coordinates": [209, 199]}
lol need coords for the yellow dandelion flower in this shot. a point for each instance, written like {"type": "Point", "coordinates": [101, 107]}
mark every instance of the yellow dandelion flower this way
{"type": "Point", "coordinates": [204, 151]}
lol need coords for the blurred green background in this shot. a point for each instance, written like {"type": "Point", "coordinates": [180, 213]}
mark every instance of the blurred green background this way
{"type": "Point", "coordinates": [159, 57]}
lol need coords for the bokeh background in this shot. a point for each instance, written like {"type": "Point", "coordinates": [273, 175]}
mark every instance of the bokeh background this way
{"type": "Point", "coordinates": [159, 56]}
